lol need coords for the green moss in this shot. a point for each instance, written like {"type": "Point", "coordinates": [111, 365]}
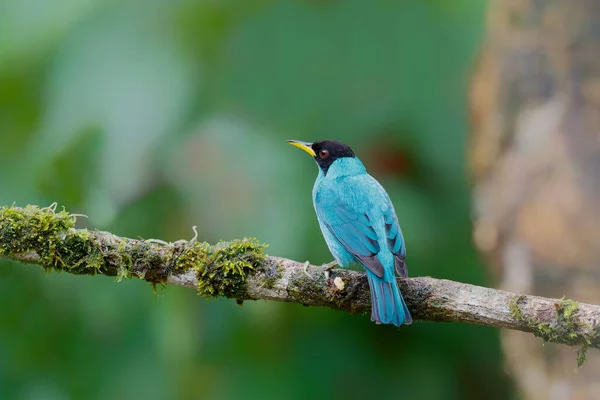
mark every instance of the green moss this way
{"type": "Point", "coordinates": [588, 340]}
{"type": "Point", "coordinates": [149, 261]}
{"type": "Point", "coordinates": [32, 232]}
{"type": "Point", "coordinates": [124, 261]}
{"type": "Point", "coordinates": [270, 283]}
{"type": "Point", "coordinates": [31, 229]}
{"type": "Point", "coordinates": [515, 309]}
{"type": "Point", "coordinates": [562, 327]}
{"type": "Point", "coordinates": [582, 355]}
{"type": "Point", "coordinates": [222, 269]}
{"type": "Point", "coordinates": [565, 310]}
{"type": "Point", "coordinates": [48, 234]}
{"type": "Point", "coordinates": [191, 255]}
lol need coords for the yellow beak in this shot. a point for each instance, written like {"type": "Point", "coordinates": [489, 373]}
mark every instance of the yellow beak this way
{"type": "Point", "coordinates": [306, 146]}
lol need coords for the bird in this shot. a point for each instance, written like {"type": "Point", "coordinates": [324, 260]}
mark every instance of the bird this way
{"type": "Point", "coordinates": [359, 224]}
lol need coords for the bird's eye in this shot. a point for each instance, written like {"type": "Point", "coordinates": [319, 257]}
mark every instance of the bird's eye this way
{"type": "Point", "coordinates": [323, 154]}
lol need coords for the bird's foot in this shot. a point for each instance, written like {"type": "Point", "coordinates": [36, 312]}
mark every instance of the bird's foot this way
{"type": "Point", "coordinates": [305, 269]}
{"type": "Point", "coordinates": [328, 267]}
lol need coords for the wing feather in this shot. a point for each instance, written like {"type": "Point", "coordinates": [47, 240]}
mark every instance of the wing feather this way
{"type": "Point", "coordinates": [395, 242]}
{"type": "Point", "coordinates": [355, 233]}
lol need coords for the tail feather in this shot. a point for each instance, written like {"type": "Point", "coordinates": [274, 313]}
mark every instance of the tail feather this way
{"type": "Point", "coordinates": [388, 306]}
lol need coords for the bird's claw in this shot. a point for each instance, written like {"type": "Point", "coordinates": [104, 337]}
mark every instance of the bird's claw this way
{"type": "Point", "coordinates": [328, 267]}
{"type": "Point", "coordinates": [305, 269]}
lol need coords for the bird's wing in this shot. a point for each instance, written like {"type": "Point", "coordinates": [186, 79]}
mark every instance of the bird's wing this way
{"type": "Point", "coordinates": [395, 241]}
{"type": "Point", "coordinates": [353, 229]}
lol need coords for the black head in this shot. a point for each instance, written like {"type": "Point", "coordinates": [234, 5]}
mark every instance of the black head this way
{"type": "Point", "coordinates": [324, 152]}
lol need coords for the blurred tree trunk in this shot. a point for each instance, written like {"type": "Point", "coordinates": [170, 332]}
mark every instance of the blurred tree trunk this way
{"type": "Point", "coordinates": [535, 166]}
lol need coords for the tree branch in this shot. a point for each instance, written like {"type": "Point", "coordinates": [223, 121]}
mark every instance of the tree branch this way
{"type": "Point", "coordinates": [239, 269]}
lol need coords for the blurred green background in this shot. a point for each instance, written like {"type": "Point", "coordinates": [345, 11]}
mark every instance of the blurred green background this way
{"type": "Point", "coordinates": [151, 117]}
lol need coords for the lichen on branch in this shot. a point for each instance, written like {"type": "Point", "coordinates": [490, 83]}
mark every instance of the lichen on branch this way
{"type": "Point", "coordinates": [563, 325]}
{"type": "Point", "coordinates": [240, 269]}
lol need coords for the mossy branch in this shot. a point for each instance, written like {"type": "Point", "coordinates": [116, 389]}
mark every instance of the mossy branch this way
{"type": "Point", "coordinates": [241, 270]}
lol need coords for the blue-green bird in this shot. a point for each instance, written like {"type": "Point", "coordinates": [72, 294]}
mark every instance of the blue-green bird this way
{"type": "Point", "coordinates": [359, 223]}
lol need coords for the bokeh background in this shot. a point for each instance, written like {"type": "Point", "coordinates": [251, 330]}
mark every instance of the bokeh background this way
{"type": "Point", "coordinates": [151, 117]}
